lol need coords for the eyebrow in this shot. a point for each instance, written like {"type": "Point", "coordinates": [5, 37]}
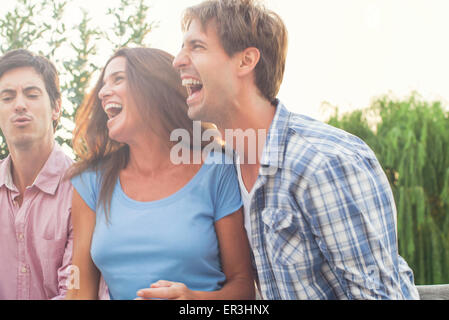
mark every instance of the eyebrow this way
{"type": "Point", "coordinates": [191, 42]}
{"type": "Point", "coordinates": [195, 41]}
{"type": "Point", "coordinates": [7, 91]}
{"type": "Point", "coordinates": [26, 90]}
{"type": "Point", "coordinates": [113, 74]}
{"type": "Point", "coordinates": [32, 88]}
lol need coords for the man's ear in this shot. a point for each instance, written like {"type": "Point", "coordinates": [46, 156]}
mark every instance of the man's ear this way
{"type": "Point", "coordinates": [56, 111]}
{"type": "Point", "coordinates": [248, 60]}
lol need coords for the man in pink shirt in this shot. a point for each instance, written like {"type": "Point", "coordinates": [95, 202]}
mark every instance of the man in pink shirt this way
{"type": "Point", "coordinates": [35, 200]}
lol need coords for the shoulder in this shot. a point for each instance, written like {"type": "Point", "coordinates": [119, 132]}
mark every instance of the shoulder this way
{"type": "Point", "coordinates": [325, 139]}
{"type": "Point", "coordinates": [219, 165]}
{"type": "Point", "coordinates": [62, 157]}
{"type": "Point", "coordinates": [3, 162]}
{"type": "Point", "coordinates": [4, 167]}
{"type": "Point", "coordinates": [61, 163]}
{"type": "Point", "coordinates": [87, 179]}
{"type": "Point", "coordinates": [312, 145]}
{"type": "Point", "coordinates": [219, 157]}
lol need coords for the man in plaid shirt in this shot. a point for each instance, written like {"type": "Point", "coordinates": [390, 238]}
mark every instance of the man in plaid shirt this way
{"type": "Point", "coordinates": [319, 211]}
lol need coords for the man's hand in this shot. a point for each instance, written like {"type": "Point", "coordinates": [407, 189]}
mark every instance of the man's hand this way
{"type": "Point", "coordinates": [166, 290]}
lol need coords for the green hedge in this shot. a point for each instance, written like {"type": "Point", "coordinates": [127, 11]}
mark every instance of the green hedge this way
{"type": "Point", "coordinates": [411, 140]}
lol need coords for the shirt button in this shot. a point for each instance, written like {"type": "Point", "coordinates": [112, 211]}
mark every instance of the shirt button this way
{"type": "Point", "coordinates": [24, 270]}
{"type": "Point", "coordinates": [20, 236]}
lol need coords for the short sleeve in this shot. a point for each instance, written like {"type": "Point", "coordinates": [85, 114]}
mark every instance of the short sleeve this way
{"type": "Point", "coordinates": [87, 186]}
{"type": "Point", "coordinates": [228, 199]}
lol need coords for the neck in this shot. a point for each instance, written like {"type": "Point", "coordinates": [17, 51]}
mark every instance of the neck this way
{"type": "Point", "coordinates": [148, 156]}
{"type": "Point", "coordinates": [248, 128]}
{"type": "Point", "coordinates": [27, 162]}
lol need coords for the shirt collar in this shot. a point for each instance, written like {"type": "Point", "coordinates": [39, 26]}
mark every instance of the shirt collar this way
{"type": "Point", "coordinates": [273, 153]}
{"type": "Point", "coordinates": [48, 178]}
{"type": "Point", "coordinates": [5, 174]}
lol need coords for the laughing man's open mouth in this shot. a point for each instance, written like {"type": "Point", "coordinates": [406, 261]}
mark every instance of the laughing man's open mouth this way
{"type": "Point", "coordinates": [193, 86]}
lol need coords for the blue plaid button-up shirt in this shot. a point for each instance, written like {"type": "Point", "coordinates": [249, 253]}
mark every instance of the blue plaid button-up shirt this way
{"type": "Point", "coordinates": [323, 217]}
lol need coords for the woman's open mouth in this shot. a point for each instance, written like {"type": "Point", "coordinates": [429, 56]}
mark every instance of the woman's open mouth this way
{"type": "Point", "coordinates": [112, 110]}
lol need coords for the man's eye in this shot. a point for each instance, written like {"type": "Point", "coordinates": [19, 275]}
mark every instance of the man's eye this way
{"type": "Point", "coordinates": [197, 45]}
{"type": "Point", "coordinates": [33, 96]}
{"type": "Point", "coordinates": [6, 99]}
{"type": "Point", "coordinates": [119, 78]}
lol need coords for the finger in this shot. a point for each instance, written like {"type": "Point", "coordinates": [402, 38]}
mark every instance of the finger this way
{"type": "Point", "coordinates": [162, 283]}
{"type": "Point", "coordinates": [158, 293]}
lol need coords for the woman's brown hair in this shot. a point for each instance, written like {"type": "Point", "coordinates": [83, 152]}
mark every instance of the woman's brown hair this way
{"type": "Point", "coordinates": [158, 95]}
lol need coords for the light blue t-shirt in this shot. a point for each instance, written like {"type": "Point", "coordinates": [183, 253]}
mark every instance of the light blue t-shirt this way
{"type": "Point", "coordinates": [169, 239]}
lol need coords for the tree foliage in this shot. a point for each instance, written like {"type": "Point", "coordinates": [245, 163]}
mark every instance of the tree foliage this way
{"type": "Point", "coordinates": [411, 142]}
{"type": "Point", "coordinates": [41, 26]}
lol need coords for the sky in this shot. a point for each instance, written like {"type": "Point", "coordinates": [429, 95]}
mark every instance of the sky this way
{"type": "Point", "coordinates": [341, 53]}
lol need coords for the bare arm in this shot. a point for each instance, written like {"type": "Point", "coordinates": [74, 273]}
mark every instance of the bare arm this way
{"type": "Point", "coordinates": [83, 220]}
{"type": "Point", "coordinates": [236, 263]}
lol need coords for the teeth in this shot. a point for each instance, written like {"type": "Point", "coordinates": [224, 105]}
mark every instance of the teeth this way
{"type": "Point", "coordinates": [113, 109]}
{"type": "Point", "coordinates": [112, 105]}
{"type": "Point", "coordinates": [190, 82]}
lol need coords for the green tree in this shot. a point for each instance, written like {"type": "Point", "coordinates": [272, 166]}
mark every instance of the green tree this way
{"type": "Point", "coordinates": [411, 142]}
{"type": "Point", "coordinates": [73, 48]}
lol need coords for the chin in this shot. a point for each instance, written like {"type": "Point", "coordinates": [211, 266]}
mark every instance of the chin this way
{"type": "Point", "coordinates": [191, 114]}
{"type": "Point", "coordinates": [115, 132]}
{"type": "Point", "coordinates": [197, 113]}
{"type": "Point", "coordinates": [115, 137]}
{"type": "Point", "coordinates": [118, 140]}
{"type": "Point", "coordinates": [22, 141]}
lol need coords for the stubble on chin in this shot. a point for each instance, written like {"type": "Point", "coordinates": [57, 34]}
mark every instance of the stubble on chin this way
{"type": "Point", "coordinates": [210, 115]}
{"type": "Point", "coordinates": [22, 142]}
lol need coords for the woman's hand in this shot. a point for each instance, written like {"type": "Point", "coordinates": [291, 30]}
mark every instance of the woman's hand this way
{"type": "Point", "coordinates": [167, 290]}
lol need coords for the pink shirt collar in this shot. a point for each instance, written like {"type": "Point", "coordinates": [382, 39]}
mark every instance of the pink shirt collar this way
{"type": "Point", "coordinates": [48, 178]}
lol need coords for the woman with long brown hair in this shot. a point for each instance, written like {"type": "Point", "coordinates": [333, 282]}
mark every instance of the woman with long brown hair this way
{"type": "Point", "coordinates": [174, 231]}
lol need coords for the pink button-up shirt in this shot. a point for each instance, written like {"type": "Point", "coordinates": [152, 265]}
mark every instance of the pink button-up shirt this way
{"type": "Point", "coordinates": [36, 238]}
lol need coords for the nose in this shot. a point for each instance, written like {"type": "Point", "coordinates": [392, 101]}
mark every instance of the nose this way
{"type": "Point", "coordinates": [181, 60]}
{"type": "Point", "coordinates": [20, 105]}
{"type": "Point", "coordinates": [104, 92]}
